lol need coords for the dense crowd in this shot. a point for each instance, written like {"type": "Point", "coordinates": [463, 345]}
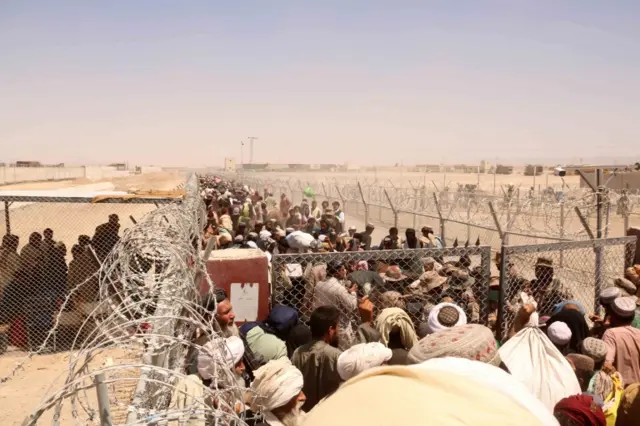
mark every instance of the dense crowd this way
{"type": "Point", "coordinates": [36, 280]}
{"type": "Point", "coordinates": [554, 366]}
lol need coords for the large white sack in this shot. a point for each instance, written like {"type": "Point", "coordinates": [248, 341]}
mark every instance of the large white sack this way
{"type": "Point", "coordinates": [299, 240]}
{"type": "Point", "coordinates": [536, 362]}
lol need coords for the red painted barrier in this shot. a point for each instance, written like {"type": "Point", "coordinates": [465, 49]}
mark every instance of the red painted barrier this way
{"type": "Point", "coordinates": [244, 275]}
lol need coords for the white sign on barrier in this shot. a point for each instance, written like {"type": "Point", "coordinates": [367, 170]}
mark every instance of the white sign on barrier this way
{"type": "Point", "coordinates": [244, 299]}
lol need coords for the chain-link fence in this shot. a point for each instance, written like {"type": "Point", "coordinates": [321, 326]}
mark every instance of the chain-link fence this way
{"type": "Point", "coordinates": [574, 271]}
{"type": "Point", "coordinates": [412, 279]}
{"type": "Point", "coordinates": [51, 246]}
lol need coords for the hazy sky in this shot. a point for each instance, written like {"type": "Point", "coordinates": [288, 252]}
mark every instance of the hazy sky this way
{"type": "Point", "coordinates": [366, 81]}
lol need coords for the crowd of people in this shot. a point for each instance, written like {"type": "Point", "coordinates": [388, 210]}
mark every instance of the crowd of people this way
{"type": "Point", "coordinates": [36, 280]}
{"type": "Point", "coordinates": [301, 367]}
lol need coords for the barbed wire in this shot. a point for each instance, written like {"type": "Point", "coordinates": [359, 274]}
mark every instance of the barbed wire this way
{"type": "Point", "coordinates": [549, 214]}
{"type": "Point", "coordinates": [136, 338]}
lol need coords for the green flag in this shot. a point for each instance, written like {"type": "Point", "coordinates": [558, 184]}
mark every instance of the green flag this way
{"type": "Point", "coordinates": [309, 192]}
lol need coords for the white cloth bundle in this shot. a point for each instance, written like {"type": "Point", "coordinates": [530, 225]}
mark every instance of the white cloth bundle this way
{"type": "Point", "coordinates": [276, 383]}
{"type": "Point", "coordinates": [536, 362]}
{"type": "Point", "coordinates": [361, 357]}
{"type": "Point", "coordinates": [299, 240]}
{"type": "Point", "coordinates": [433, 325]}
{"type": "Point", "coordinates": [219, 353]}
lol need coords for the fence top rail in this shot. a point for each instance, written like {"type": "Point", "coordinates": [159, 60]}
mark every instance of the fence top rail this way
{"type": "Point", "coordinates": [109, 198]}
{"type": "Point", "coordinates": [570, 245]}
{"type": "Point", "coordinates": [381, 254]}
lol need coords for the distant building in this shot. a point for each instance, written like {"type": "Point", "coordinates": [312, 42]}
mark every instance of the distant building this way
{"type": "Point", "coordinates": [28, 164]}
{"type": "Point", "coordinates": [229, 165]}
{"type": "Point", "coordinates": [501, 169]}
{"type": "Point", "coordinates": [119, 166]}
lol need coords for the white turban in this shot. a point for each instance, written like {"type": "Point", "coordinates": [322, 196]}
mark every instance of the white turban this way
{"type": "Point", "coordinates": [219, 353]}
{"type": "Point", "coordinates": [276, 383]}
{"type": "Point", "coordinates": [559, 333]}
{"type": "Point", "coordinates": [361, 357]}
{"type": "Point", "coordinates": [265, 235]}
{"type": "Point", "coordinates": [434, 326]}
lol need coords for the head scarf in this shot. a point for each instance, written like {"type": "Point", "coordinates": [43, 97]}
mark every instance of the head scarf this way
{"type": "Point", "coordinates": [434, 323]}
{"type": "Point", "coordinates": [388, 391]}
{"type": "Point", "coordinates": [559, 333]}
{"type": "Point", "coordinates": [361, 357]}
{"type": "Point", "coordinates": [265, 344]}
{"type": "Point", "coordinates": [276, 383]}
{"type": "Point", "coordinates": [629, 410]}
{"type": "Point", "coordinates": [470, 341]}
{"type": "Point", "coordinates": [582, 409]}
{"type": "Point", "coordinates": [560, 306]}
{"type": "Point", "coordinates": [392, 318]}
{"type": "Point", "coordinates": [577, 324]}
{"type": "Point", "coordinates": [219, 353]}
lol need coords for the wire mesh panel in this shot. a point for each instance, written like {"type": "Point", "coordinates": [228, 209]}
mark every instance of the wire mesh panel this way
{"type": "Point", "coordinates": [52, 249]}
{"type": "Point", "coordinates": [412, 279]}
{"type": "Point", "coordinates": [553, 273]}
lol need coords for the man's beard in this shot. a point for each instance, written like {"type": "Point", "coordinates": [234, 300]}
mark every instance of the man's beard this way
{"type": "Point", "coordinates": [230, 330]}
{"type": "Point", "coordinates": [240, 382]}
{"type": "Point", "coordinates": [294, 417]}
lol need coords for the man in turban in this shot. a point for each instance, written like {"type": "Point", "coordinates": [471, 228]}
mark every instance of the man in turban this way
{"type": "Point", "coordinates": [221, 359]}
{"type": "Point", "coordinates": [579, 410]}
{"type": "Point", "coordinates": [470, 341]}
{"type": "Point", "coordinates": [397, 332]}
{"type": "Point", "coordinates": [444, 316]}
{"type": "Point", "coordinates": [277, 393]}
{"type": "Point", "coordinates": [362, 357]}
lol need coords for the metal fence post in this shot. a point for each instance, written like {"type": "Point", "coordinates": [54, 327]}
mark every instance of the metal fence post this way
{"type": "Point", "coordinates": [7, 218]}
{"type": "Point", "coordinates": [291, 192]}
{"type": "Point", "coordinates": [366, 207]}
{"type": "Point", "coordinates": [103, 400]}
{"type": "Point", "coordinates": [468, 221]}
{"type": "Point", "coordinates": [562, 231]}
{"type": "Point", "coordinates": [504, 282]}
{"type": "Point", "coordinates": [626, 223]}
{"type": "Point", "coordinates": [415, 206]}
{"type": "Point", "coordinates": [393, 209]}
{"type": "Point", "coordinates": [442, 224]}
{"type": "Point", "coordinates": [497, 223]}
{"type": "Point", "coordinates": [485, 263]}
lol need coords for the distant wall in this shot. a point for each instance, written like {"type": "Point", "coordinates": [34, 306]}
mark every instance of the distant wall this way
{"type": "Point", "coordinates": [620, 181]}
{"type": "Point", "coordinates": [150, 169]}
{"type": "Point", "coordinates": [103, 172]}
{"type": "Point", "coordinates": [61, 192]}
{"type": "Point", "coordinates": [10, 174]}
{"type": "Point", "coordinates": [34, 174]}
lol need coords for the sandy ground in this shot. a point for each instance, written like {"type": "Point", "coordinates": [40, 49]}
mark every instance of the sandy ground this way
{"type": "Point", "coordinates": [45, 374]}
{"type": "Point", "coordinates": [22, 393]}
